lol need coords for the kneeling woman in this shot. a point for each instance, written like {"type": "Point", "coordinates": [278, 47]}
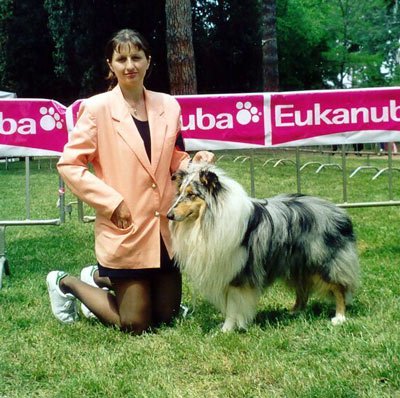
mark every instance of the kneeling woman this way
{"type": "Point", "coordinates": [131, 137]}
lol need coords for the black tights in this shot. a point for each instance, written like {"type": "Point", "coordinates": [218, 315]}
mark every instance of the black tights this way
{"type": "Point", "coordinates": [135, 304]}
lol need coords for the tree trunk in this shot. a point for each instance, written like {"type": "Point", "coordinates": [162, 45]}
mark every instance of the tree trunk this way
{"type": "Point", "coordinates": [180, 52]}
{"type": "Point", "coordinates": [269, 46]}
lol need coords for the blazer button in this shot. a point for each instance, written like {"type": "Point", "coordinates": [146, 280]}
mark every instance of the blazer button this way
{"type": "Point", "coordinates": [156, 214]}
{"type": "Point", "coordinates": [154, 186]}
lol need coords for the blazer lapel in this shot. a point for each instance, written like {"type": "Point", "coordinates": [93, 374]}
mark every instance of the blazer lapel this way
{"type": "Point", "coordinates": [127, 129]}
{"type": "Point", "coordinates": [158, 126]}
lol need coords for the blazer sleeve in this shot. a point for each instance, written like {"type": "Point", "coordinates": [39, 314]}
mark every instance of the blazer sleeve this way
{"type": "Point", "coordinates": [81, 150]}
{"type": "Point", "coordinates": [180, 160]}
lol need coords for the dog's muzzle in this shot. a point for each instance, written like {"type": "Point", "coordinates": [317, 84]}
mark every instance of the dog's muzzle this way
{"type": "Point", "coordinates": [171, 215]}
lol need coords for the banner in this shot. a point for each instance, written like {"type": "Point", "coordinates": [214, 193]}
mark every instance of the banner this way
{"type": "Point", "coordinates": [224, 121]}
{"type": "Point", "coordinates": [30, 127]}
{"type": "Point", "coordinates": [335, 117]}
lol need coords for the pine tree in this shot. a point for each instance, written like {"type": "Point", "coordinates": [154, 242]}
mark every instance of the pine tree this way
{"type": "Point", "coordinates": [180, 52]}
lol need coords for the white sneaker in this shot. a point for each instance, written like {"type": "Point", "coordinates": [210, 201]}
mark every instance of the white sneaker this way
{"type": "Point", "coordinates": [87, 277]}
{"type": "Point", "coordinates": [63, 305]}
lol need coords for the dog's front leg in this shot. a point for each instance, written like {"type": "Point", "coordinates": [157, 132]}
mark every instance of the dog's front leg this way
{"type": "Point", "coordinates": [241, 304]}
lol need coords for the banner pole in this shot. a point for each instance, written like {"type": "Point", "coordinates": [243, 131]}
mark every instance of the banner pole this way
{"type": "Point", "coordinates": [27, 188]}
{"type": "Point", "coordinates": [390, 164]}
{"type": "Point", "coordinates": [253, 189]}
{"type": "Point", "coordinates": [61, 199]}
{"type": "Point", "coordinates": [344, 173]}
{"type": "Point", "coordinates": [298, 170]}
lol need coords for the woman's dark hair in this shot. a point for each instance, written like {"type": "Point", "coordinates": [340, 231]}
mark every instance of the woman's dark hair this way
{"type": "Point", "coordinates": [124, 37]}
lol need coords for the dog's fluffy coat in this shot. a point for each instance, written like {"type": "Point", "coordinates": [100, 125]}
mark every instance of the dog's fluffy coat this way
{"type": "Point", "coordinates": [232, 246]}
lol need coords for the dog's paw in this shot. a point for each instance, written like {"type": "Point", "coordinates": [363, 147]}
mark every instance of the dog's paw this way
{"type": "Point", "coordinates": [338, 320]}
{"type": "Point", "coordinates": [228, 326]}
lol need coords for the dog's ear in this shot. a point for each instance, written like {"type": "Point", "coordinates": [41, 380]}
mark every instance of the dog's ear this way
{"type": "Point", "coordinates": [178, 177]}
{"type": "Point", "coordinates": [210, 180]}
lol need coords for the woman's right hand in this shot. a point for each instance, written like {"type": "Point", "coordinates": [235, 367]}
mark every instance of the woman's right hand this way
{"type": "Point", "coordinates": [122, 216]}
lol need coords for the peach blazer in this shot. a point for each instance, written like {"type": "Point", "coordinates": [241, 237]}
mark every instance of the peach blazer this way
{"type": "Point", "coordinates": [106, 137]}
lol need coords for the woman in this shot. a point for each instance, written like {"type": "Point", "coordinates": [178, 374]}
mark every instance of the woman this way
{"type": "Point", "coordinates": [129, 135]}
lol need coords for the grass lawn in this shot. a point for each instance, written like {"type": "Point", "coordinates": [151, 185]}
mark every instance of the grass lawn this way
{"type": "Point", "coordinates": [281, 355]}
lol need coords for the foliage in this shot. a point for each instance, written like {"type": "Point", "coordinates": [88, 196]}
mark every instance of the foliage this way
{"type": "Point", "coordinates": [59, 24]}
{"type": "Point", "coordinates": [5, 16]}
{"type": "Point", "coordinates": [54, 48]}
{"type": "Point", "coordinates": [281, 355]}
{"type": "Point", "coordinates": [302, 39]}
{"type": "Point", "coordinates": [227, 40]}
{"type": "Point", "coordinates": [326, 43]}
{"type": "Point", "coordinates": [363, 37]}
{"type": "Point", "coordinates": [28, 67]}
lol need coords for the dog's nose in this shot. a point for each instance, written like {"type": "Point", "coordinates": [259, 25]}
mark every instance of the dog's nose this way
{"type": "Point", "coordinates": [170, 215]}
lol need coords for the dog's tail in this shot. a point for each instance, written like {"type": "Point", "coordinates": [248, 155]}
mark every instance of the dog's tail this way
{"type": "Point", "coordinates": [346, 269]}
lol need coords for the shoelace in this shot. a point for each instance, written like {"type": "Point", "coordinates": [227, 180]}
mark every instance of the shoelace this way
{"type": "Point", "coordinates": [69, 306]}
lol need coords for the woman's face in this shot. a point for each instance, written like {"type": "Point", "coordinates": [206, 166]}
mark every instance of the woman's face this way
{"type": "Point", "coordinates": [129, 65]}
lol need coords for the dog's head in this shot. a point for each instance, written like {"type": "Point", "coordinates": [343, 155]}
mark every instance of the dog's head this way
{"type": "Point", "coordinates": [196, 187]}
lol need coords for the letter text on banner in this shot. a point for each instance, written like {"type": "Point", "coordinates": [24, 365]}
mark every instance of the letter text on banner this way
{"type": "Point", "coordinates": [32, 127]}
{"type": "Point", "coordinates": [224, 118]}
{"type": "Point", "coordinates": [309, 115]}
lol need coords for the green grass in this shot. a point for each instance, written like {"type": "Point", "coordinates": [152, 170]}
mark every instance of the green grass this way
{"type": "Point", "coordinates": [281, 355]}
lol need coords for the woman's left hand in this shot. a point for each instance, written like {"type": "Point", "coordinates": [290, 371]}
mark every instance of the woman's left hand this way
{"type": "Point", "coordinates": [204, 156]}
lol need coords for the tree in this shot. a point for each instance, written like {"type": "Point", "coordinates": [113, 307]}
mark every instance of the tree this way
{"type": "Point", "coordinates": [337, 43]}
{"type": "Point", "coordinates": [180, 52]}
{"type": "Point", "coordinates": [269, 46]}
{"type": "Point", "coordinates": [302, 39]}
{"type": "Point", "coordinates": [363, 41]}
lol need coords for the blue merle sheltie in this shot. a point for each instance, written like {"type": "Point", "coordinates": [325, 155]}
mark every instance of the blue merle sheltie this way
{"type": "Point", "coordinates": [232, 246]}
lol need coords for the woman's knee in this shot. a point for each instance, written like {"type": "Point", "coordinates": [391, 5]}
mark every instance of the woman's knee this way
{"type": "Point", "coordinates": [134, 305]}
{"type": "Point", "coordinates": [135, 325]}
{"type": "Point", "coordinates": [167, 297]}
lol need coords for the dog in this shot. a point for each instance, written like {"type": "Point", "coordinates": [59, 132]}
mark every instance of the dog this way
{"type": "Point", "coordinates": [232, 246]}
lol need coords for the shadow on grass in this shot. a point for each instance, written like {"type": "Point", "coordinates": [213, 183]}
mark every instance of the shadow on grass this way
{"type": "Point", "coordinates": [211, 320]}
{"type": "Point", "coordinates": [273, 318]}
{"type": "Point", "coordinates": [314, 311]}
{"type": "Point", "coordinates": [207, 317]}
